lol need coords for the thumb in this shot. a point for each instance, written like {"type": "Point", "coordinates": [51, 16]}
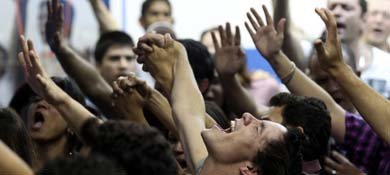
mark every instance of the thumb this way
{"type": "Point", "coordinates": [319, 45]}
{"type": "Point", "coordinates": [281, 26]}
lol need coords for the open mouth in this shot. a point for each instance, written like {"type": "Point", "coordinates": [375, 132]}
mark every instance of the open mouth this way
{"type": "Point", "coordinates": [231, 129]}
{"type": "Point", "coordinates": [377, 30]}
{"type": "Point", "coordinates": [38, 121]}
{"type": "Point", "coordinates": [341, 25]}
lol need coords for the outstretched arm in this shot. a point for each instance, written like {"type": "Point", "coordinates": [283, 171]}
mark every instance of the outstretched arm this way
{"type": "Point", "coordinates": [268, 41]}
{"type": "Point", "coordinates": [105, 19]}
{"type": "Point", "coordinates": [73, 112]}
{"type": "Point", "coordinates": [291, 45]}
{"type": "Point", "coordinates": [169, 65]}
{"type": "Point", "coordinates": [374, 108]}
{"type": "Point", "coordinates": [85, 74]}
{"type": "Point", "coordinates": [11, 164]}
{"type": "Point", "coordinates": [229, 59]}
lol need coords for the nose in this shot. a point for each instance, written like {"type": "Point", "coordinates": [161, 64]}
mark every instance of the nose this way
{"type": "Point", "coordinates": [161, 17]}
{"type": "Point", "coordinates": [178, 147]}
{"type": "Point", "coordinates": [247, 119]}
{"type": "Point", "coordinates": [337, 11]}
{"type": "Point", "coordinates": [123, 63]}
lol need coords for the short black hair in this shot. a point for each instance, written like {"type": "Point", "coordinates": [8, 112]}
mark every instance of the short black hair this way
{"type": "Point", "coordinates": [147, 3]}
{"type": "Point", "coordinates": [138, 148]}
{"type": "Point", "coordinates": [312, 115]}
{"type": "Point", "coordinates": [24, 92]}
{"type": "Point", "coordinates": [282, 157]}
{"type": "Point", "coordinates": [363, 6]}
{"type": "Point", "coordinates": [110, 39]}
{"type": "Point", "coordinates": [200, 59]}
{"type": "Point", "coordinates": [15, 135]}
{"type": "Point", "coordinates": [93, 165]}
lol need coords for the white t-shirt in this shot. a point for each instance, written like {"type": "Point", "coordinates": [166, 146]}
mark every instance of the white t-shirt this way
{"type": "Point", "coordinates": [378, 74]}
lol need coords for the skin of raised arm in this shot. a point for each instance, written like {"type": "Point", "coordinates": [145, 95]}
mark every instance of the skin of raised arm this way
{"type": "Point", "coordinates": [189, 114]}
{"type": "Point", "coordinates": [169, 65]}
{"type": "Point", "coordinates": [374, 108]}
{"type": "Point", "coordinates": [11, 163]}
{"type": "Point", "coordinates": [104, 17]}
{"type": "Point", "coordinates": [268, 41]}
{"type": "Point", "coordinates": [73, 112]}
{"type": "Point", "coordinates": [85, 74]}
{"type": "Point", "coordinates": [291, 46]}
{"type": "Point", "coordinates": [229, 59]}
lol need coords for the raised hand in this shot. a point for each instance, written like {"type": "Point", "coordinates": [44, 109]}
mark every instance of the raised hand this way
{"type": "Point", "coordinates": [159, 55]}
{"type": "Point", "coordinates": [129, 96]}
{"type": "Point", "coordinates": [267, 39]}
{"type": "Point", "coordinates": [340, 165]}
{"type": "Point", "coordinates": [229, 57]}
{"type": "Point", "coordinates": [36, 76]}
{"type": "Point", "coordinates": [54, 25]}
{"type": "Point", "coordinates": [329, 54]}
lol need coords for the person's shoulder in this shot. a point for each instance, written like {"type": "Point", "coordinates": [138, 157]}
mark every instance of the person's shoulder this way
{"type": "Point", "coordinates": [379, 54]}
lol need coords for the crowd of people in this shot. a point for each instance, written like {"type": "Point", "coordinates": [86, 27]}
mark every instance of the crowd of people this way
{"type": "Point", "coordinates": [206, 113]}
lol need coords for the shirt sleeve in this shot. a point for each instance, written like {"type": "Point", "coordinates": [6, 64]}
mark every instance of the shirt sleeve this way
{"type": "Point", "coordinates": [361, 143]}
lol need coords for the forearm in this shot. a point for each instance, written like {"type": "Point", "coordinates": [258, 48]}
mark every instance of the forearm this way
{"type": "Point", "coordinates": [73, 112]}
{"type": "Point", "coordinates": [11, 164]}
{"type": "Point", "coordinates": [160, 107]}
{"type": "Point", "coordinates": [105, 19]}
{"type": "Point", "coordinates": [87, 77]}
{"type": "Point", "coordinates": [371, 105]}
{"type": "Point", "coordinates": [302, 85]}
{"type": "Point", "coordinates": [291, 45]}
{"type": "Point", "coordinates": [189, 113]}
{"type": "Point", "coordinates": [237, 98]}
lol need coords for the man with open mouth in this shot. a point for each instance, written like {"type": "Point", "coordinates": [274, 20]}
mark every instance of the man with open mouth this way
{"type": "Point", "coordinates": [377, 22]}
{"type": "Point", "coordinates": [371, 61]}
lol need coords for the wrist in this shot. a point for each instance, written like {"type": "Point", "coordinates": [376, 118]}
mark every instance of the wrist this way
{"type": "Point", "coordinates": [337, 69]}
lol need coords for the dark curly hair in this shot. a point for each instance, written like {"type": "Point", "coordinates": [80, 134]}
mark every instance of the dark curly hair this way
{"type": "Point", "coordinates": [282, 157]}
{"type": "Point", "coordinates": [312, 115]}
{"type": "Point", "coordinates": [139, 149]}
{"type": "Point", "coordinates": [95, 164]}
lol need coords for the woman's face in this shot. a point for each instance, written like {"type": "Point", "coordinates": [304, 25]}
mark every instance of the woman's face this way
{"type": "Point", "coordinates": [44, 122]}
{"type": "Point", "coordinates": [247, 137]}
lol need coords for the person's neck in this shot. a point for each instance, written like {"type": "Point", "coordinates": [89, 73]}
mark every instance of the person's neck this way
{"type": "Point", "coordinates": [48, 151]}
{"type": "Point", "coordinates": [212, 167]}
{"type": "Point", "coordinates": [362, 53]}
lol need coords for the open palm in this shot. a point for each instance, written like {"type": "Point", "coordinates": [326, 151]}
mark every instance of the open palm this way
{"type": "Point", "coordinates": [266, 38]}
{"type": "Point", "coordinates": [36, 76]}
{"type": "Point", "coordinates": [229, 57]}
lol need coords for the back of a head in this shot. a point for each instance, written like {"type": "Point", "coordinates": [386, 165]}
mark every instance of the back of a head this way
{"type": "Point", "coordinates": [14, 134]}
{"type": "Point", "coordinates": [282, 157]}
{"type": "Point", "coordinates": [139, 149]}
{"type": "Point", "coordinates": [200, 59]}
{"type": "Point", "coordinates": [312, 115]}
{"type": "Point", "coordinates": [109, 39]}
{"type": "Point", "coordinates": [93, 165]}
